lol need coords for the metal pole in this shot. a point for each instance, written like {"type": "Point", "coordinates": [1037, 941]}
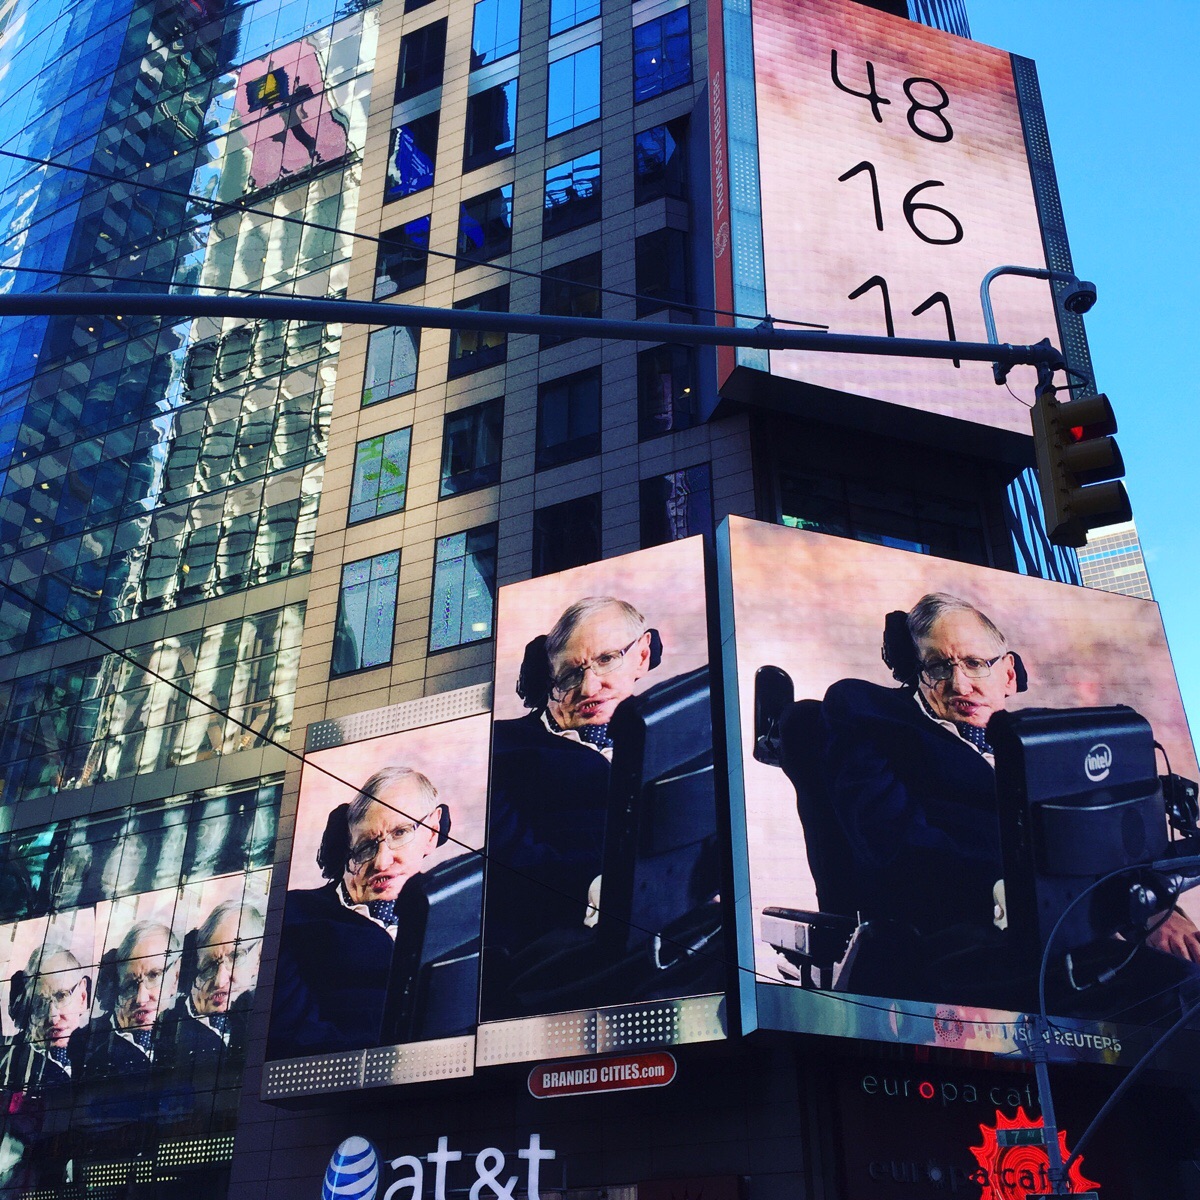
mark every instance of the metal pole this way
{"type": "Point", "coordinates": [1039, 1031]}
{"type": "Point", "coordinates": [359, 312]}
{"type": "Point", "coordinates": [985, 299]}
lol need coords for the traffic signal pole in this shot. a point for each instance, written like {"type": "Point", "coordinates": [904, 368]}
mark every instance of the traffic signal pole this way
{"type": "Point", "coordinates": [361, 312]}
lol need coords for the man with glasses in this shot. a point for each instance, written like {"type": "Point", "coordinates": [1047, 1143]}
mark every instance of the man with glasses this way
{"type": "Point", "coordinates": [912, 783]}
{"type": "Point", "coordinates": [549, 792]}
{"type": "Point", "coordinates": [911, 774]}
{"type": "Point", "coordinates": [207, 1023]}
{"type": "Point", "coordinates": [336, 947]}
{"type": "Point", "coordinates": [48, 1001]}
{"type": "Point", "coordinates": [139, 983]}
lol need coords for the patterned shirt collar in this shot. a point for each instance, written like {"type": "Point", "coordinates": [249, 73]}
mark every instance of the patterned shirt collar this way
{"type": "Point", "coordinates": [384, 918]}
{"type": "Point", "coordinates": [595, 736]}
{"type": "Point", "coordinates": [217, 1022]}
{"type": "Point", "coordinates": [975, 737]}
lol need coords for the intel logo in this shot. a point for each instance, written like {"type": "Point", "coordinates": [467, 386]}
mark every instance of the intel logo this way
{"type": "Point", "coordinates": [353, 1172]}
{"type": "Point", "coordinates": [1098, 762]}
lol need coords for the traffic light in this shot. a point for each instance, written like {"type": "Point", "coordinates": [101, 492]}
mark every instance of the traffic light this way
{"type": "Point", "coordinates": [1079, 466]}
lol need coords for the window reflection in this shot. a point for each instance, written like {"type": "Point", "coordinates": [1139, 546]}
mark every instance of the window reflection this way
{"type": "Point", "coordinates": [109, 719]}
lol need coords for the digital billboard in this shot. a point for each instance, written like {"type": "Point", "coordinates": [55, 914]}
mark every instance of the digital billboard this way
{"type": "Point", "coordinates": [574, 815]}
{"type": "Point", "coordinates": [906, 825]}
{"type": "Point", "coordinates": [380, 940]}
{"type": "Point", "coordinates": [130, 944]}
{"type": "Point", "coordinates": [288, 118]}
{"type": "Point", "coordinates": [602, 865]}
{"type": "Point", "coordinates": [887, 173]}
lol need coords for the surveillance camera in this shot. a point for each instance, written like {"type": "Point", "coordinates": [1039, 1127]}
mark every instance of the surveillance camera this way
{"type": "Point", "coordinates": [1079, 297]}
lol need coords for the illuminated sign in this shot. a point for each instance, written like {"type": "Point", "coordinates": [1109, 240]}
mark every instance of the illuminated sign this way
{"type": "Point", "coordinates": [355, 1172]}
{"type": "Point", "coordinates": [855, 793]}
{"type": "Point", "coordinates": [576, 816]}
{"type": "Point", "coordinates": [287, 119]}
{"type": "Point", "coordinates": [893, 176]}
{"type": "Point", "coordinates": [620, 1074]}
{"type": "Point", "coordinates": [1013, 1161]}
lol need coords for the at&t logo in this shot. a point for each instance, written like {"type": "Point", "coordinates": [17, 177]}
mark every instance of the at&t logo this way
{"type": "Point", "coordinates": [353, 1172]}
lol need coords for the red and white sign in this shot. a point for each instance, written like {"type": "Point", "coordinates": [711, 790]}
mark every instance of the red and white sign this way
{"type": "Point", "coordinates": [582, 1076]}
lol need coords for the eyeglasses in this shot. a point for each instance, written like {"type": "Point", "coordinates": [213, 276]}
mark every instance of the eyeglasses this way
{"type": "Point", "coordinates": [604, 663]}
{"type": "Point", "coordinates": [395, 841]}
{"type": "Point", "coordinates": [938, 670]}
{"type": "Point", "coordinates": [209, 966]}
{"type": "Point", "coordinates": [152, 978]}
{"type": "Point", "coordinates": [46, 1002]}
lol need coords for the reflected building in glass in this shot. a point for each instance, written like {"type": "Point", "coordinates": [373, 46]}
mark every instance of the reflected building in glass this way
{"type": "Point", "coordinates": [157, 522]}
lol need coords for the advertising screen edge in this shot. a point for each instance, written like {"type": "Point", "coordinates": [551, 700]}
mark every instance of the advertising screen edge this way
{"type": "Point", "coordinates": [746, 991]}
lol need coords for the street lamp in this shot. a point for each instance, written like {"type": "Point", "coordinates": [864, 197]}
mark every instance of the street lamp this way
{"type": "Point", "coordinates": [1079, 298]}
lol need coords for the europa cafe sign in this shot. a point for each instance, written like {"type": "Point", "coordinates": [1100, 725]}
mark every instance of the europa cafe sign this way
{"type": "Point", "coordinates": [1013, 1161]}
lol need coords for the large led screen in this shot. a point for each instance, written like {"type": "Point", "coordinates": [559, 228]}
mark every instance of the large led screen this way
{"type": "Point", "coordinates": [892, 176]}
{"type": "Point", "coordinates": [380, 941]}
{"type": "Point", "coordinates": [894, 885]}
{"type": "Point", "coordinates": [573, 811]}
{"type": "Point", "coordinates": [130, 944]}
{"type": "Point", "coordinates": [602, 867]}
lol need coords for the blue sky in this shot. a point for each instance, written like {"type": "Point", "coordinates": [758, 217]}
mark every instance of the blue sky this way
{"type": "Point", "coordinates": [1119, 85]}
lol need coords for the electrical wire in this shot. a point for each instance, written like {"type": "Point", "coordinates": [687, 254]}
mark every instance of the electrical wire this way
{"type": "Point", "coordinates": [227, 207]}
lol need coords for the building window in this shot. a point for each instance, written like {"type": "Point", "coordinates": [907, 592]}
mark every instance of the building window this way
{"type": "Point", "coordinates": [566, 535]}
{"type": "Point", "coordinates": [422, 59]}
{"type": "Point", "coordinates": [475, 349]}
{"type": "Point", "coordinates": [659, 167]}
{"type": "Point", "coordinates": [391, 363]}
{"type": "Point", "coordinates": [661, 270]}
{"type": "Point", "coordinates": [676, 505]}
{"type": "Point", "coordinates": [464, 588]}
{"type": "Point", "coordinates": [662, 55]}
{"type": "Point", "coordinates": [574, 96]}
{"type": "Point", "coordinates": [366, 615]}
{"type": "Point", "coordinates": [884, 514]}
{"type": "Point", "coordinates": [491, 125]}
{"type": "Point", "coordinates": [411, 157]}
{"type": "Point", "coordinates": [566, 14]}
{"type": "Point", "coordinates": [667, 392]}
{"type": "Point", "coordinates": [401, 258]}
{"type": "Point", "coordinates": [568, 424]}
{"type": "Point", "coordinates": [471, 440]}
{"type": "Point", "coordinates": [571, 289]}
{"type": "Point", "coordinates": [572, 196]}
{"type": "Point", "coordinates": [485, 227]}
{"type": "Point", "coordinates": [496, 32]}
{"type": "Point", "coordinates": [380, 476]}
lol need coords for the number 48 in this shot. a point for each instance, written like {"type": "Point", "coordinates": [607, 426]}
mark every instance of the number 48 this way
{"type": "Point", "coordinates": [916, 105]}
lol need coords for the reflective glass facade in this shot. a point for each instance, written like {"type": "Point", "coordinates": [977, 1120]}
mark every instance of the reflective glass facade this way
{"type": "Point", "coordinates": [159, 484]}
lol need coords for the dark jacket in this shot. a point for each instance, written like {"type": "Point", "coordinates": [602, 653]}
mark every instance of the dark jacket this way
{"type": "Point", "coordinates": [28, 1068]}
{"type": "Point", "coordinates": [917, 805]}
{"type": "Point", "coordinates": [98, 1051]}
{"type": "Point", "coordinates": [549, 804]}
{"type": "Point", "coordinates": [331, 978]}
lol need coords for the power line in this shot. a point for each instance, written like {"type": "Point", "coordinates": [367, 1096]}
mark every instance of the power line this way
{"type": "Point", "coordinates": [225, 207]}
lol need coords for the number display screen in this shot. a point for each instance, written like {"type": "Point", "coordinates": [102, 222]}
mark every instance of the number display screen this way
{"type": "Point", "coordinates": [893, 177]}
